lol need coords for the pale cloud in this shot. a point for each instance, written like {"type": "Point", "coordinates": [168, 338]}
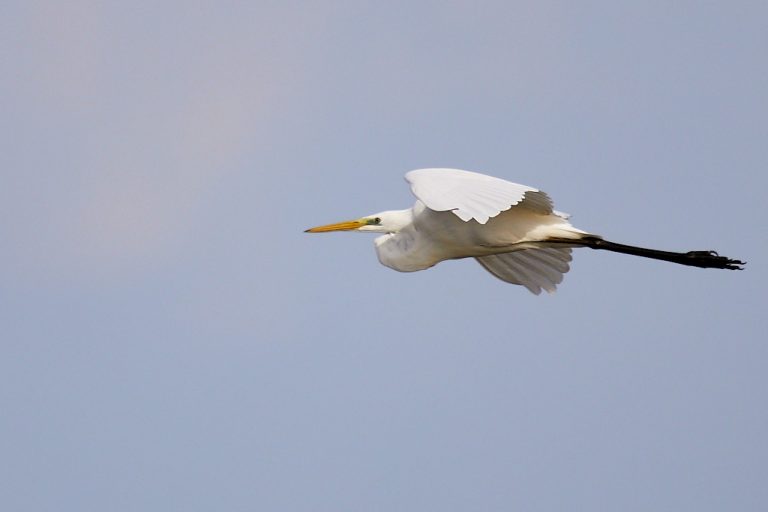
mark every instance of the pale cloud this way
{"type": "Point", "coordinates": [129, 122]}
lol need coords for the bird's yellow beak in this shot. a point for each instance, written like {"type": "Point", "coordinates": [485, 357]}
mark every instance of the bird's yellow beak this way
{"type": "Point", "coordinates": [339, 226]}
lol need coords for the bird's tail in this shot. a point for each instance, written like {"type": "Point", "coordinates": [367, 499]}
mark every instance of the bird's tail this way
{"type": "Point", "coordinates": [703, 259]}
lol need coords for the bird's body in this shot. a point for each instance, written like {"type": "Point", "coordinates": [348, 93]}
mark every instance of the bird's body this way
{"type": "Point", "coordinates": [430, 237]}
{"type": "Point", "coordinates": [512, 230]}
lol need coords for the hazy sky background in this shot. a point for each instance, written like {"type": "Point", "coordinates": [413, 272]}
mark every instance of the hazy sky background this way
{"type": "Point", "coordinates": [172, 340]}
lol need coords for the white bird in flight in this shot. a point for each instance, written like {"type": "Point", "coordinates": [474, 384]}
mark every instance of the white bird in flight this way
{"type": "Point", "coordinates": [510, 229]}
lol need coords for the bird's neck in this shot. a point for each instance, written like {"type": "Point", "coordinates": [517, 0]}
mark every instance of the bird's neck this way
{"type": "Point", "coordinates": [397, 220]}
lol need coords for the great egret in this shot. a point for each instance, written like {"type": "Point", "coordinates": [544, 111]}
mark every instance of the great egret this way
{"type": "Point", "coordinates": [510, 229]}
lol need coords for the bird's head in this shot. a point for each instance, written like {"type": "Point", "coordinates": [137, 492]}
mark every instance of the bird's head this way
{"type": "Point", "coordinates": [384, 222]}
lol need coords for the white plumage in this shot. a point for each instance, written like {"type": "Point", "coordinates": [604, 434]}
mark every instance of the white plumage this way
{"type": "Point", "coordinates": [470, 195]}
{"type": "Point", "coordinates": [536, 269]}
{"type": "Point", "coordinates": [512, 230]}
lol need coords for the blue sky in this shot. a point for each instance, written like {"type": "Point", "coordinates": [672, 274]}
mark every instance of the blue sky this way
{"type": "Point", "coordinates": [173, 340]}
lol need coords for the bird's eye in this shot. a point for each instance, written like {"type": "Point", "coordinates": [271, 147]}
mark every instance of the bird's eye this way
{"type": "Point", "coordinates": [377, 220]}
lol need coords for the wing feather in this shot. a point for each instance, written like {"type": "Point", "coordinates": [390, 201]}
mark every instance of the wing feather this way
{"type": "Point", "coordinates": [471, 195]}
{"type": "Point", "coordinates": [536, 269]}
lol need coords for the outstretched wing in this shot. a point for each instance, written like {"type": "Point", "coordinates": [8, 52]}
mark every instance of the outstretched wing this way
{"type": "Point", "coordinates": [471, 195]}
{"type": "Point", "coordinates": [533, 268]}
